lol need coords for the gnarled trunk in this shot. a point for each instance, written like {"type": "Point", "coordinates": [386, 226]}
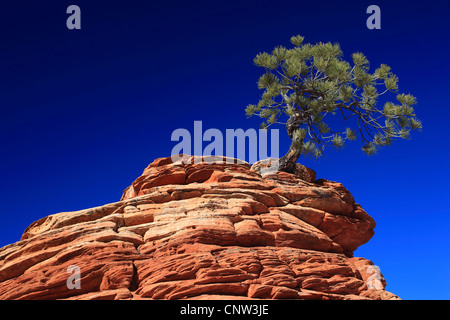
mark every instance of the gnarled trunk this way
{"type": "Point", "coordinates": [288, 162]}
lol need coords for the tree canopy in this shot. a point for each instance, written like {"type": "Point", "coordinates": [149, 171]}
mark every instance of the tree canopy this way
{"type": "Point", "coordinates": [308, 82]}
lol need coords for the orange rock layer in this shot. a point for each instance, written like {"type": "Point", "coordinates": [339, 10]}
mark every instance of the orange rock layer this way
{"type": "Point", "coordinates": [189, 230]}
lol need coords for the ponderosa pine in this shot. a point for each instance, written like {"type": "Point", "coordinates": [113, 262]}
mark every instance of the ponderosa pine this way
{"type": "Point", "coordinates": [310, 81]}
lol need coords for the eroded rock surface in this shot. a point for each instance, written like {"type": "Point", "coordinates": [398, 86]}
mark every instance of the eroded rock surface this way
{"type": "Point", "coordinates": [196, 230]}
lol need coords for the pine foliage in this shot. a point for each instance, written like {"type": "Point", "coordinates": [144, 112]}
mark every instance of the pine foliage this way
{"type": "Point", "coordinates": [312, 81]}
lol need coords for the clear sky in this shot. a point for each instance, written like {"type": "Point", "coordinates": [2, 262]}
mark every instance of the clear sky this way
{"type": "Point", "coordinates": [85, 111]}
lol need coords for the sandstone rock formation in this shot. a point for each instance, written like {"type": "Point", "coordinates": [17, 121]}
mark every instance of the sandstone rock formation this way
{"type": "Point", "coordinates": [189, 230]}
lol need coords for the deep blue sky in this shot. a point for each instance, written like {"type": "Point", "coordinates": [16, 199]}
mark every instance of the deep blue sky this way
{"type": "Point", "coordinates": [84, 111]}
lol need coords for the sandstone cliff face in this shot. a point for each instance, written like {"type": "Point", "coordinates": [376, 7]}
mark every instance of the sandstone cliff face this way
{"type": "Point", "coordinates": [200, 231]}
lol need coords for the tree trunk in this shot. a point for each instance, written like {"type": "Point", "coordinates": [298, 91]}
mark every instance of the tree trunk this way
{"type": "Point", "coordinates": [288, 162]}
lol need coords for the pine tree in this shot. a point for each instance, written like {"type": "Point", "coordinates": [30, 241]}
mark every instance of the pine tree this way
{"type": "Point", "coordinates": [308, 82]}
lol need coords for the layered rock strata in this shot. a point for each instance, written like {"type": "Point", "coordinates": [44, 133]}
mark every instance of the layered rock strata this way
{"type": "Point", "coordinates": [194, 229]}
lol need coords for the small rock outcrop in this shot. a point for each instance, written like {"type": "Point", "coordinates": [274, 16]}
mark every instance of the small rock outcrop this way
{"type": "Point", "coordinates": [194, 229]}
